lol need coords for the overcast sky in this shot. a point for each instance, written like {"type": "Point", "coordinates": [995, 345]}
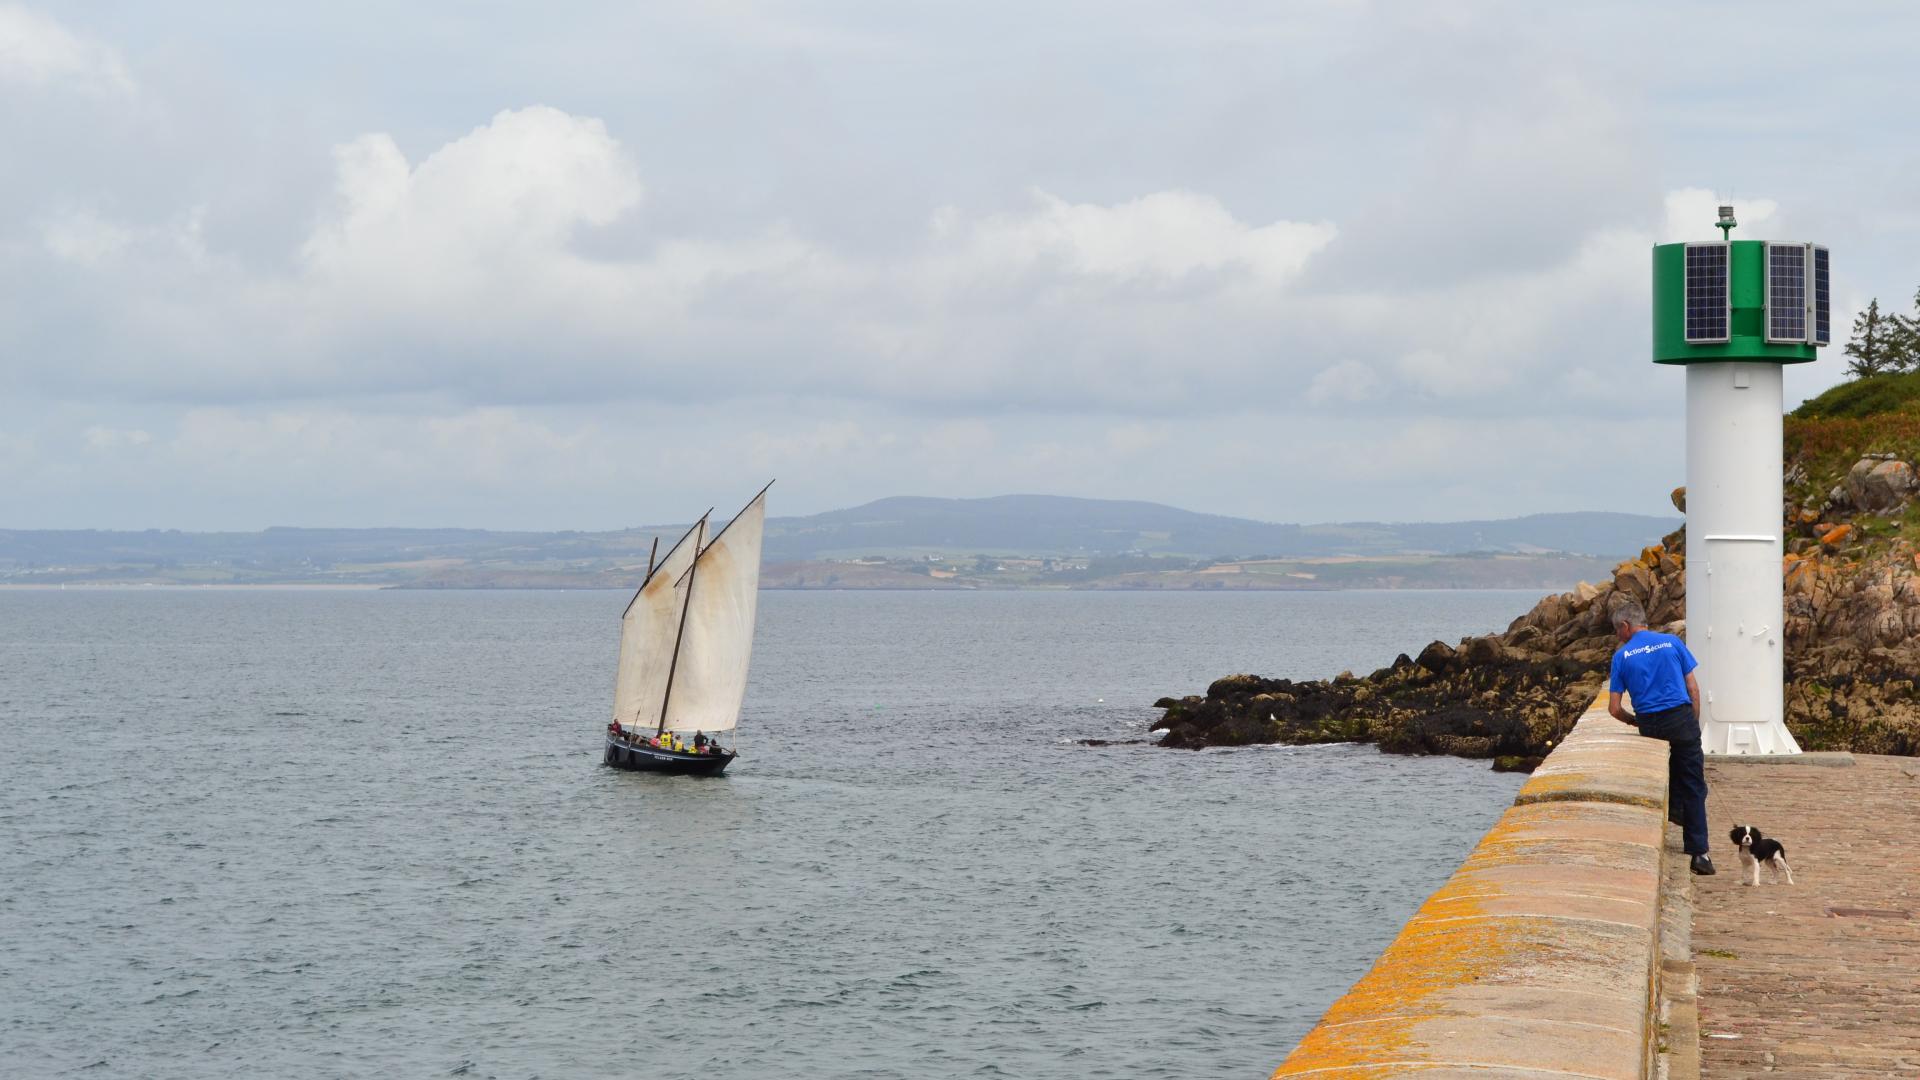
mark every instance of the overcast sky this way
{"type": "Point", "coordinates": [584, 265]}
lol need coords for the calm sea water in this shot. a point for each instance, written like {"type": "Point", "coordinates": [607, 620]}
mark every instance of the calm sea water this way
{"type": "Point", "coordinates": [298, 834]}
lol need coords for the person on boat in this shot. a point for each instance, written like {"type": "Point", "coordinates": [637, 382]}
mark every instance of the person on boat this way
{"type": "Point", "coordinates": [699, 742]}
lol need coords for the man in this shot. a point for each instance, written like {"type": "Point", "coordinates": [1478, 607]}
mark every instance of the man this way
{"type": "Point", "coordinates": [1657, 670]}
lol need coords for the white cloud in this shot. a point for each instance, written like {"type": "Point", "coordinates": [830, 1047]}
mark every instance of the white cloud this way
{"type": "Point", "coordinates": [825, 441]}
{"type": "Point", "coordinates": [1348, 380]}
{"type": "Point", "coordinates": [98, 437]}
{"type": "Point", "coordinates": [38, 51]}
{"type": "Point", "coordinates": [517, 263]}
{"type": "Point", "coordinates": [485, 220]}
{"type": "Point", "coordinates": [1162, 262]}
{"type": "Point", "coordinates": [1436, 373]}
{"type": "Point", "coordinates": [1126, 440]}
{"type": "Point", "coordinates": [1165, 235]}
{"type": "Point", "coordinates": [84, 239]}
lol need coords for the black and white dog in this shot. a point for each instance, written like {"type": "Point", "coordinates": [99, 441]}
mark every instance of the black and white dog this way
{"type": "Point", "coordinates": [1756, 849]}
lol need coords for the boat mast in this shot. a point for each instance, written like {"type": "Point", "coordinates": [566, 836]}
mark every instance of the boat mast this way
{"type": "Point", "coordinates": [674, 663]}
{"type": "Point", "coordinates": [734, 733]}
{"type": "Point", "coordinates": [731, 520]}
{"type": "Point", "coordinates": [651, 552]}
{"type": "Point", "coordinates": [654, 564]}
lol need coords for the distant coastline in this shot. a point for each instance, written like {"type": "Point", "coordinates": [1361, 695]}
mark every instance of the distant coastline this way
{"type": "Point", "coordinates": [179, 586]}
{"type": "Point", "coordinates": [1425, 572]}
{"type": "Point", "coordinates": [903, 543]}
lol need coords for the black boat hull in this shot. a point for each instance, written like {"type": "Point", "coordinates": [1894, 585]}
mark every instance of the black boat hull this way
{"type": "Point", "coordinates": [638, 757]}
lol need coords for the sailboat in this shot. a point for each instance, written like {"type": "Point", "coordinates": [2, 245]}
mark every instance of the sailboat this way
{"type": "Point", "coordinates": [685, 639]}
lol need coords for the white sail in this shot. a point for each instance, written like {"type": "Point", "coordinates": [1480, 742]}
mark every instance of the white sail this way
{"type": "Point", "coordinates": [723, 589]}
{"type": "Point", "coordinates": [647, 633]}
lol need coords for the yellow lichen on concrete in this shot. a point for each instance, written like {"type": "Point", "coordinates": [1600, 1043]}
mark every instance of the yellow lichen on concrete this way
{"type": "Point", "coordinates": [1539, 957]}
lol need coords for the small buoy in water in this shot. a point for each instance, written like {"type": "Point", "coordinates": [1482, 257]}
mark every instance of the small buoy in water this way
{"type": "Point", "coordinates": [1099, 701]}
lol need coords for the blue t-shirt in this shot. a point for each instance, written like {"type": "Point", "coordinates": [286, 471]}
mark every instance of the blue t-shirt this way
{"type": "Point", "coordinates": [1653, 668]}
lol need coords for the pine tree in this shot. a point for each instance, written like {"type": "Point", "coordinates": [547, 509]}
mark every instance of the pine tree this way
{"type": "Point", "coordinates": [1902, 351]}
{"type": "Point", "coordinates": [1870, 343]}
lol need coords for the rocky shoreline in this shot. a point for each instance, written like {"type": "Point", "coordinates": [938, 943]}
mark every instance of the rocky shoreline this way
{"type": "Point", "coordinates": [1852, 638]}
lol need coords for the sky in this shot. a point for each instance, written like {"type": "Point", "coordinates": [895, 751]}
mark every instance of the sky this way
{"type": "Point", "coordinates": [590, 265]}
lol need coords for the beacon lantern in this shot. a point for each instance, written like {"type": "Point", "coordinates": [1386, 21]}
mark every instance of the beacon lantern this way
{"type": "Point", "coordinates": [1734, 313]}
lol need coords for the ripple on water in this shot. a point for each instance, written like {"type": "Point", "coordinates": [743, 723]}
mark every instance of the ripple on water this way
{"type": "Point", "coordinates": [367, 834]}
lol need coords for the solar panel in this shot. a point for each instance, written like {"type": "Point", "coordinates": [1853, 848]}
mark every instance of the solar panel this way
{"type": "Point", "coordinates": [1786, 292]}
{"type": "Point", "coordinates": [1707, 296]}
{"type": "Point", "coordinates": [1822, 306]}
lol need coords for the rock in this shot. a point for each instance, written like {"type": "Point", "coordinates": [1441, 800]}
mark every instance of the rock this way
{"type": "Point", "coordinates": [1482, 650]}
{"type": "Point", "coordinates": [1851, 637]}
{"type": "Point", "coordinates": [1679, 497]}
{"type": "Point", "coordinates": [1517, 762]}
{"type": "Point", "coordinates": [1664, 605]}
{"type": "Point", "coordinates": [1878, 484]}
{"type": "Point", "coordinates": [1634, 579]}
{"type": "Point", "coordinates": [1233, 684]}
{"type": "Point", "coordinates": [1550, 613]}
{"type": "Point", "coordinates": [1437, 657]}
{"type": "Point", "coordinates": [1594, 655]}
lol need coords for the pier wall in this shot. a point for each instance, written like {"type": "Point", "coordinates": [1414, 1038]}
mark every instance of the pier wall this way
{"type": "Point", "coordinates": [1540, 957]}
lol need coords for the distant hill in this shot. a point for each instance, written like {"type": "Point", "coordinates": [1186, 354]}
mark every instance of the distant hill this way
{"type": "Point", "coordinates": [1058, 525]}
{"type": "Point", "coordinates": [1007, 525]}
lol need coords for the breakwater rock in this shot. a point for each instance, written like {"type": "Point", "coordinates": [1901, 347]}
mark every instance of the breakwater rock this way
{"type": "Point", "coordinates": [1852, 581]}
{"type": "Point", "coordinates": [1508, 696]}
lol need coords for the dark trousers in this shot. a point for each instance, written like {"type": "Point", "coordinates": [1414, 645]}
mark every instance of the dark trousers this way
{"type": "Point", "coordinates": [1686, 771]}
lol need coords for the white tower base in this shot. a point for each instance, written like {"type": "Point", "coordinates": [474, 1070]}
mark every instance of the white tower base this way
{"type": "Point", "coordinates": [1735, 604]}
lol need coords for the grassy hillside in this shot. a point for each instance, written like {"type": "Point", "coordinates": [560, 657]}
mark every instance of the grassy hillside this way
{"type": "Point", "coordinates": [1877, 395]}
{"type": "Point", "coordinates": [1829, 434]}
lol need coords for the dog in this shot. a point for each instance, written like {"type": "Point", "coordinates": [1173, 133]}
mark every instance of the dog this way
{"type": "Point", "coordinates": [1756, 849]}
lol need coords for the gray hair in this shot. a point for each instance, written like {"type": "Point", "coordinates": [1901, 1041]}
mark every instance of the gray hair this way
{"type": "Point", "coordinates": [1629, 613]}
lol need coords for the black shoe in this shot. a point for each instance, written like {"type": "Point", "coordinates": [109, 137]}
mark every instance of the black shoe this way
{"type": "Point", "coordinates": [1701, 865]}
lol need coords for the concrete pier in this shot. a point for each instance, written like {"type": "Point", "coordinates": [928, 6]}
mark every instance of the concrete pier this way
{"type": "Point", "coordinates": [1572, 943]}
{"type": "Point", "coordinates": [1819, 980]}
{"type": "Point", "coordinates": [1540, 957]}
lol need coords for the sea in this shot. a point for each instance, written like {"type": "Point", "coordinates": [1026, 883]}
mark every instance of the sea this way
{"type": "Point", "coordinates": [306, 833]}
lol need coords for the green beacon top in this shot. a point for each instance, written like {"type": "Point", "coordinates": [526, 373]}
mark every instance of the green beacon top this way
{"type": "Point", "coordinates": [1722, 300]}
